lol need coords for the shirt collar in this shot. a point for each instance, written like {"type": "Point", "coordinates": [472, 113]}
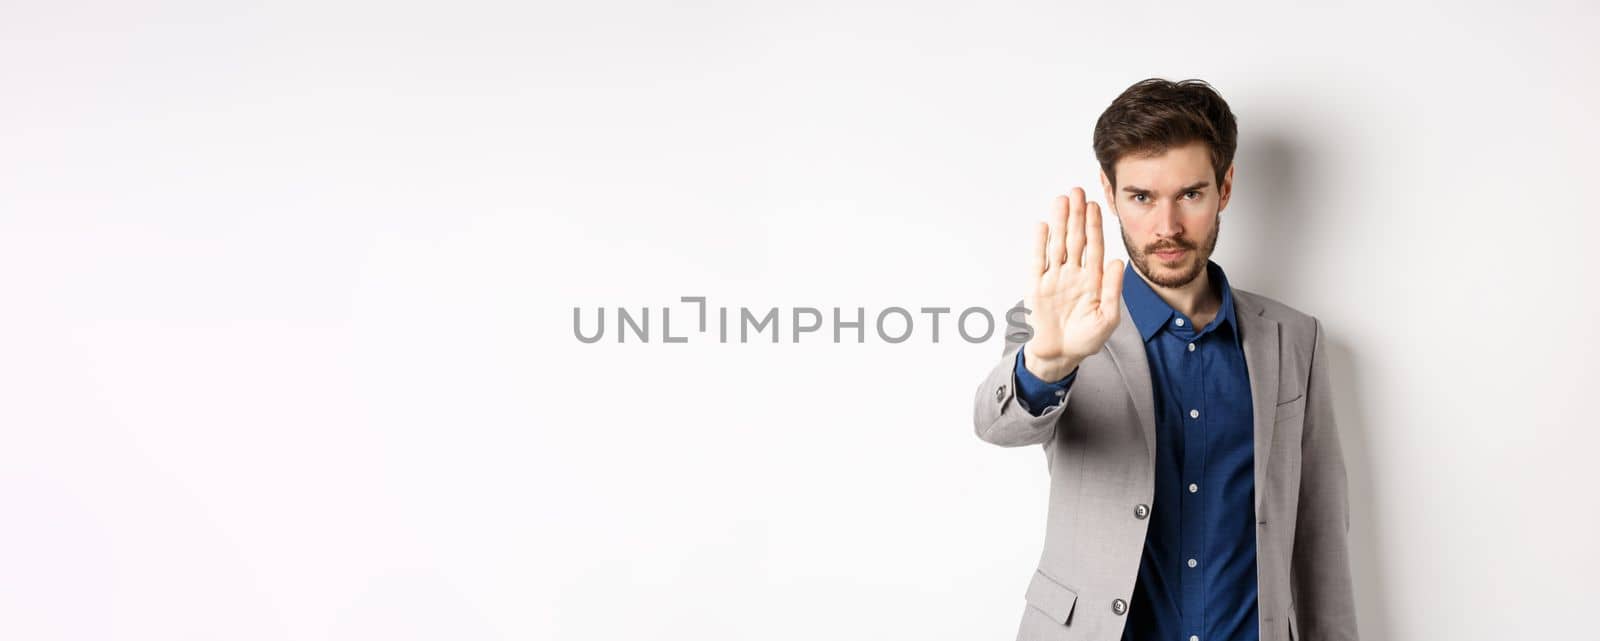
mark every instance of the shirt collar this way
{"type": "Point", "coordinates": [1150, 313]}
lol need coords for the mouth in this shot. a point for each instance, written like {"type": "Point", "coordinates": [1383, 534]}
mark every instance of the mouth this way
{"type": "Point", "coordinates": [1171, 255]}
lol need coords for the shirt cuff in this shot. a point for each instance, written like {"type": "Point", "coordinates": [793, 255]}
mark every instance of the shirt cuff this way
{"type": "Point", "coordinates": [1038, 396]}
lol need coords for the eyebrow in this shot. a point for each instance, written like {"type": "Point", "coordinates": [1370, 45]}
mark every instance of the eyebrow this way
{"type": "Point", "coordinates": [1196, 186]}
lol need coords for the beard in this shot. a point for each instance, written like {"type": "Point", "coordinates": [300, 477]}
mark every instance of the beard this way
{"type": "Point", "coordinates": [1198, 256]}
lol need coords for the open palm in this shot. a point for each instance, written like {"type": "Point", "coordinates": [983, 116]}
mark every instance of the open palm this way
{"type": "Point", "coordinates": [1075, 304]}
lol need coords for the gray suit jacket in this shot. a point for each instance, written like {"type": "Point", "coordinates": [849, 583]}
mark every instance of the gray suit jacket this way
{"type": "Point", "coordinates": [1100, 443]}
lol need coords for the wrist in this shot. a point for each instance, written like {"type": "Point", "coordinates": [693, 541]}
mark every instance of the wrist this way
{"type": "Point", "coordinates": [1050, 370]}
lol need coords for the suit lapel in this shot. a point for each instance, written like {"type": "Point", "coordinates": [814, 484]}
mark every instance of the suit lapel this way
{"type": "Point", "coordinates": [1260, 336]}
{"type": "Point", "coordinates": [1127, 351]}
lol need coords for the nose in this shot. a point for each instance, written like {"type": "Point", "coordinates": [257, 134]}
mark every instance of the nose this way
{"type": "Point", "coordinates": [1165, 220]}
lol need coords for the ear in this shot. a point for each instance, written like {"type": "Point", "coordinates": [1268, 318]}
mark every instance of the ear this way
{"type": "Point", "coordinates": [1111, 197]}
{"type": "Point", "coordinates": [1225, 190]}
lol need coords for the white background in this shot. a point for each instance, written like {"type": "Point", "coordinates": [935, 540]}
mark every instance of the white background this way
{"type": "Point", "coordinates": [286, 348]}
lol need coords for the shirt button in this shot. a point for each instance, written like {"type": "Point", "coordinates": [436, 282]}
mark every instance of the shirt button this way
{"type": "Point", "coordinates": [1193, 563]}
{"type": "Point", "coordinates": [1193, 637]}
{"type": "Point", "coordinates": [1191, 347]}
{"type": "Point", "coordinates": [1179, 322]}
{"type": "Point", "coordinates": [1060, 393]}
{"type": "Point", "coordinates": [1141, 511]}
{"type": "Point", "coordinates": [1193, 488]}
{"type": "Point", "coordinates": [1194, 413]}
{"type": "Point", "coordinates": [1119, 606]}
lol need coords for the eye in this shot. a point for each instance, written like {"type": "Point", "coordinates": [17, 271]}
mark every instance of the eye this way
{"type": "Point", "coordinates": [1195, 193]}
{"type": "Point", "coordinates": [1138, 198]}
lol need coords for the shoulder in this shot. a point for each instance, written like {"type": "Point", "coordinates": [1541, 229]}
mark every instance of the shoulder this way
{"type": "Point", "coordinates": [1297, 326]}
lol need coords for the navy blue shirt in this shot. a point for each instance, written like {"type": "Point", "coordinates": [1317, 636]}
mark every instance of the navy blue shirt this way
{"type": "Point", "coordinates": [1197, 577]}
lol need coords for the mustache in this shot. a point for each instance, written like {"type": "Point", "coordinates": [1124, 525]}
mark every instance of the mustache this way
{"type": "Point", "coordinates": [1169, 247]}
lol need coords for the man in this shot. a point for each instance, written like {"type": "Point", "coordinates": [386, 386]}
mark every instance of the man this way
{"type": "Point", "coordinates": [1197, 487]}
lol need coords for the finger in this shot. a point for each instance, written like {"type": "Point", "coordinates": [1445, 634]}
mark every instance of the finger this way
{"type": "Point", "coordinates": [1036, 258]}
{"type": "Point", "coordinates": [1094, 251]}
{"type": "Point", "coordinates": [1075, 229]}
{"type": "Point", "coordinates": [1058, 234]}
{"type": "Point", "coordinates": [1111, 290]}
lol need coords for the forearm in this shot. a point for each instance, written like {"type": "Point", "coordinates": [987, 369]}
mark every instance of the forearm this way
{"type": "Point", "coordinates": [1003, 417]}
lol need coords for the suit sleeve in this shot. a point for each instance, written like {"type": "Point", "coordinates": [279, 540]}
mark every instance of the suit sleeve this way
{"type": "Point", "coordinates": [1038, 395]}
{"type": "Point", "coordinates": [1323, 597]}
{"type": "Point", "coordinates": [999, 415]}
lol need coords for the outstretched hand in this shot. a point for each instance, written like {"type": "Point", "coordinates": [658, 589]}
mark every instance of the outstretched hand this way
{"type": "Point", "coordinates": [1074, 303]}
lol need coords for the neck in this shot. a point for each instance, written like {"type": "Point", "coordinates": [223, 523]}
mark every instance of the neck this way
{"type": "Point", "coordinates": [1197, 299]}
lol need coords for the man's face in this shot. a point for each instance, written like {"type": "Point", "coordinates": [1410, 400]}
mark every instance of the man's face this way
{"type": "Point", "coordinates": [1169, 208]}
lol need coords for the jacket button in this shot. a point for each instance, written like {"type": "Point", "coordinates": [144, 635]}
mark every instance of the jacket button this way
{"type": "Point", "coordinates": [1119, 606]}
{"type": "Point", "coordinates": [1000, 394]}
{"type": "Point", "coordinates": [1141, 511]}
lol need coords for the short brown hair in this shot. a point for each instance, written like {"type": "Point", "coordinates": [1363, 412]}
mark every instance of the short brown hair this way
{"type": "Point", "coordinates": [1155, 114]}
